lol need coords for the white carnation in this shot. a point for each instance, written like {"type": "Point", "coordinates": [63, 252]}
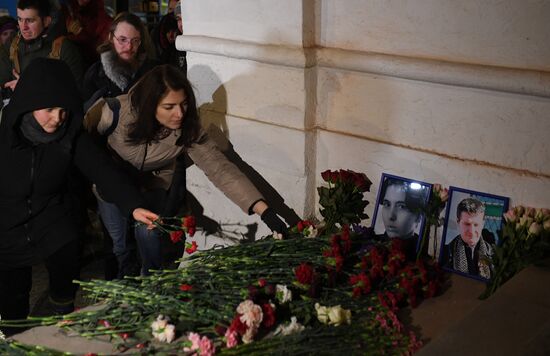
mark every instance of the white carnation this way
{"type": "Point", "coordinates": [292, 328]}
{"type": "Point", "coordinates": [310, 232]}
{"type": "Point", "coordinates": [283, 293]}
{"type": "Point", "coordinates": [162, 331]}
{"type": "Point", "coordinates": [277, 235]}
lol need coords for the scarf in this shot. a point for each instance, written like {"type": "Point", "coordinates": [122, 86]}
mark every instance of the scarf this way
{"type": "Point", "coordinates": [33, 132]}
{"type": "Point", "coordinates": [483, 251]}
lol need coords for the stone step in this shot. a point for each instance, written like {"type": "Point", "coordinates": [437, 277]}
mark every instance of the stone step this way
{"type": "Point", "coordinates": [513, 321]}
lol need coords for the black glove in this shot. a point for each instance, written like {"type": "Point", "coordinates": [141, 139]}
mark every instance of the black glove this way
{"type": "Point", "coordinates": [270, 218]}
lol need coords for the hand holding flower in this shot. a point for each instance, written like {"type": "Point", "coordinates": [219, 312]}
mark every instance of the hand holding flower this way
{"type": "Point", "coordinates": [145, 216]}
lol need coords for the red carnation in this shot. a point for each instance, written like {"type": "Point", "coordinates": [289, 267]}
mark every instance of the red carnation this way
{"type": "Point", "coordinates": [269, 315]}
{"type": "Point", "coordinates": [362, 284]}
{"type": "Point", "coordinates": [175, 236]}
{"type": "Point", "coordinates": [334, 240]}
{"type": "Point", "coordinates": [262, 282]}
{"type": "Point", "coordinates": [186, 287]}
{"type": "Point", "coordinates": [303, 224]}
{"type": "Point", "coordinates": [191, 249]}
{"type": "Point", "coordinates": [189, 223]}
{"type": "Point", "coordinates": [237, 325]}
{"type": "Point", "coordinates": [339, 262]}
{"type": "Point", "coordinates": [304, 273]}
{"type": "Point", "coordinates": [346, 239]}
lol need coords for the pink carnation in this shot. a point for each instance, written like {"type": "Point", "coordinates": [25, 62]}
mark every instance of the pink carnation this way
{"type": "Point", "coordinates": [231, 338]}
{"type": "Point", "coordinates": [195, 342]}
{"type": "Point", "coordinates": [251, 314]}
{"type": "Point", "coordinates": [207, 347]}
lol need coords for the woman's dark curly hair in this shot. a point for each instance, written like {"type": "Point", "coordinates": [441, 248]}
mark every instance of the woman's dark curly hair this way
{"type": "Point", "coordinates": [146, 95]}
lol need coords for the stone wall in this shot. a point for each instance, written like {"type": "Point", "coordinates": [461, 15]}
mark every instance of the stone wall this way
{"type": "Point", "coordinates": [448, 92]}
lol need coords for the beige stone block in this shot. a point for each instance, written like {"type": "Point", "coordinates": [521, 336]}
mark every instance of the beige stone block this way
{"type": "Point", "coordinates": [262, 21]}
{"type": "Point", "coordinates": [248, 89]}
{"type": "Point", "coordinates": [513, 33]}
{"type": "Point", "coordinates": [336, 151]}
{"type": "Point", "coordinates": [503, 129]}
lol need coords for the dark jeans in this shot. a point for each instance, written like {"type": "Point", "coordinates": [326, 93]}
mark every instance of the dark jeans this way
{"type": "Point", "coordinates": [15, 284]}
{"type": "Point", "coordinates": [148, 241]}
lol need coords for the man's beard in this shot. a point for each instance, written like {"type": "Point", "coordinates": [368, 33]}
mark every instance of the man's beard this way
{"type": "Point", "coordinates": [131, 65]}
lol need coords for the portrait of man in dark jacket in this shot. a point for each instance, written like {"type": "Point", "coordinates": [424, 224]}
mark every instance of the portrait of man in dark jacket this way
{"type": "Point", "coordinates": [470, 252]}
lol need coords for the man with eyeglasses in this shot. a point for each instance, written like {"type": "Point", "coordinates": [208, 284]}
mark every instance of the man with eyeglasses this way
{"type": "Point", "coordinates": [123, 60]}
{"type": "Point", "coordinates": [37, 39]}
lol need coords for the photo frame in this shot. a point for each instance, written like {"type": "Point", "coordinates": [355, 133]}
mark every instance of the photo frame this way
{"type": "Point", "coordinates": [399, 210]}
{"type": "Point", "coordinates": [472, 220]}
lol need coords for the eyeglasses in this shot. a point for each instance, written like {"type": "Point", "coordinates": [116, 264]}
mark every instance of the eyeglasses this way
{"type": "Point", "coordinates": [125, 41]}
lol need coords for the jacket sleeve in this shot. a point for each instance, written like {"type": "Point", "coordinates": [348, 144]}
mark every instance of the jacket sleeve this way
{"type": "Point", "coordinates": [223, 173]}
{"type": "Point", "coordinates": [89, 86]}
{"type": "Point", "coordinates": [99, 168]}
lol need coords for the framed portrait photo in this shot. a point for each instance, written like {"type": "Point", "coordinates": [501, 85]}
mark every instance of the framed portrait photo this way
{"type": "Point", "coordinates": [473, 221]}
{"type": "Point", "coordinates": [399, 210]}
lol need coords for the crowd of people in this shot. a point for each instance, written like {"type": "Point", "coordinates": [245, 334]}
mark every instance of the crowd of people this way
{"type": "Point", "coordinates": [84, 92]}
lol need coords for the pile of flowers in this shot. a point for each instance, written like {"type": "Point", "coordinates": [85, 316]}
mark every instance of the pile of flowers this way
{"type": "Point", "coordinates": [336, 289]}
{"type": "Point", "coordinates": [525, 241]}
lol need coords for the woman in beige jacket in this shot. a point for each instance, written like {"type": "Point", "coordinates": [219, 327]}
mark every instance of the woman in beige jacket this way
{"type": "Point", "coordinates": [148, 131]}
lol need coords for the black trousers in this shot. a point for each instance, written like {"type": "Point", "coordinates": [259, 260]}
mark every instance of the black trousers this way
{"type": "Point", "coordinates": [15, 284]}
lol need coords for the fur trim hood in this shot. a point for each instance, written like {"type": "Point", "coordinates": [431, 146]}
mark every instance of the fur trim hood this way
{"type": "Point", "coordinates": [121, 75]}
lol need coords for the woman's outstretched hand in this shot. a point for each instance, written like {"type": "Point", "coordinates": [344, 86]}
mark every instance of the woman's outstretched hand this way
{"type": "Point", "coordinates": [270, 218]}
{"type": "Point", "coordinates": [145, 216]}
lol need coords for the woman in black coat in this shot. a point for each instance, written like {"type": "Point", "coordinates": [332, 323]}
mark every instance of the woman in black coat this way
{"type": "Point", "coordinates": [40, 138]}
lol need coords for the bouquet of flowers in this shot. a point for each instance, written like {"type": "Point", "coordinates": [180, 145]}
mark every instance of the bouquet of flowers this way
{"type": "Point", "coordinates": [342, 200]}
{"type": "Point", "coordinates": [525, 240]}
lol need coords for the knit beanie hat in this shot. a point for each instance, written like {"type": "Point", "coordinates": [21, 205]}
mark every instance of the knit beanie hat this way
{"type": "Point", "coordinates": [7, 23]}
